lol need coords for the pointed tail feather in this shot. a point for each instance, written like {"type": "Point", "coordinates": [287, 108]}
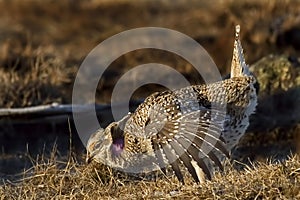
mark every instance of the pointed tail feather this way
{"type": "Point", "coordinates": [238, 65]}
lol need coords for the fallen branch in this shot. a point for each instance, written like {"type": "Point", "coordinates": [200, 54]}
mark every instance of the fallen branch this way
{"type": "Point", "coordinates": [56, 109]}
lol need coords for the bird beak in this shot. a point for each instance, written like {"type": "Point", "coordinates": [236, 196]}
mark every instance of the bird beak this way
{"type": "Point", "coordinates": [89, 158]}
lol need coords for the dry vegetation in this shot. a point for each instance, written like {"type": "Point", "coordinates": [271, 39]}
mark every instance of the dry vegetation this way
{"type": "Point", "coordinates": [33, 80]}
{"type": "Point", "coordinates": [53, 179]}
{"type": "Point", "coordinates": [62, 34]}
{"type": "Point", "coordinates": [42, 44]}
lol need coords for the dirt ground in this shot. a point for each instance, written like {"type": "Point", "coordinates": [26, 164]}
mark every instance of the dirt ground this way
{"type": "Point", "coordinates": [43, 43]}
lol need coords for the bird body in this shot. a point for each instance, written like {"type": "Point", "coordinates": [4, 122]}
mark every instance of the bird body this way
{"type": "Point", "coordinates": [191, 126]}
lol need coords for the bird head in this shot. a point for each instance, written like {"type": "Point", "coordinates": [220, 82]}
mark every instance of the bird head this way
{"type": "Point", "coordinates": [107, 144]}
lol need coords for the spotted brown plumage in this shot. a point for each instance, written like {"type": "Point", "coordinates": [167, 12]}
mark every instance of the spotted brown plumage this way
{"type": "Point", "coordinates": [194, 127]}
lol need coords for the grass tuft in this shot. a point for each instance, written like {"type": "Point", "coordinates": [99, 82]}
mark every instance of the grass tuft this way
{"type": "Point", "coordinates": [51, 178]}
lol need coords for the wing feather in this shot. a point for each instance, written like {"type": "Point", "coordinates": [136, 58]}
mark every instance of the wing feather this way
{"type": "Point", "coordinates": [159, 157]}
{"type": "Point", "coordinates": [194, 152]}
{"type": "Point", "coordinates": [186, 159]}
{"type": "Point", "coordinates": [174, 162]}
{"type": "Point", "coordinates": [192, 136]}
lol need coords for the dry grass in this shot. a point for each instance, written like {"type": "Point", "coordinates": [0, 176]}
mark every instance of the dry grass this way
{"type": "Point", "coordinates": [33, 78]}
{"type": "Point", "coordinates": [52, 179]}
{"type": "Point", "coordinates": [68, 31]}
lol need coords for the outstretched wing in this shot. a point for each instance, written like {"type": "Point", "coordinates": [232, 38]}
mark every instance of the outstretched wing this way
{"type": "Point", "coordinates": [189, 138]}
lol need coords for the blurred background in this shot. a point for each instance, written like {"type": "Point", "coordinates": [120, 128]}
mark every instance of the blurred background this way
{"type": "Point", "coordinates": [43, 43]}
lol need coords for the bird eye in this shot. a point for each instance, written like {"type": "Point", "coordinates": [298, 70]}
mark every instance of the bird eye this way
{"type": "Point", "coordinates": [113, 128]}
